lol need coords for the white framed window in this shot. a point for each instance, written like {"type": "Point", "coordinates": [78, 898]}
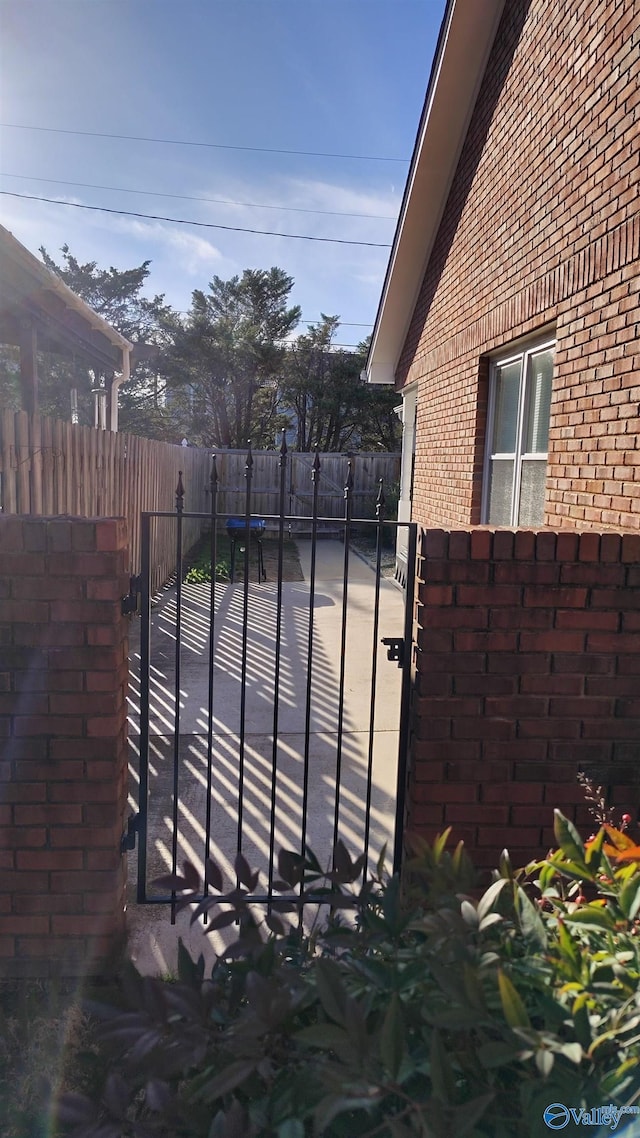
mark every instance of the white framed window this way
{"type": "Point", "coordinates": [518, 435]}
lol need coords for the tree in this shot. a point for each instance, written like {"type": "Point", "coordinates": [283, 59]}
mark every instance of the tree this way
{"type": "Point", "coordinates": [9, 378]}
{"type": "Point", "coordinates": [334, 408]}
{"type": "Point", "coordinates": [228, 357]}
{"type": "Point", "coordinates": [116, 295]}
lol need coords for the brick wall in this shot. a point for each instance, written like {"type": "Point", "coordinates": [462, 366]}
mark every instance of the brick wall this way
{"type": "Point", "coordinates": [541, 228]}
{"type": "Point", "coordinates": [63, 677]}
{"type": "Point", "coordinates": [528, 670]}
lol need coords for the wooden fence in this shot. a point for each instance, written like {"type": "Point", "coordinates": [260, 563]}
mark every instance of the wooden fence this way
{"type": "Point", "coordinates": [367, 471]}
{"type": "Point", "coordinates": [49, 467]}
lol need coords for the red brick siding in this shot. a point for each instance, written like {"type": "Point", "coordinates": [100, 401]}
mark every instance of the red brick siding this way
{"type": "Point", "coordinates": [541, 227]}
{"type": "Point", "coordinates": [528, 663]}
{"type": "Point", "coordinates": [63, 680]}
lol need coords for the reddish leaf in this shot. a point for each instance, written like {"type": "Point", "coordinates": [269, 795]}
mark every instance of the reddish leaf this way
{"type": "Point", "coordinates": [213, 874]}
{"type": "Point", "coordinates": [246, 876]}
{"type": "Point", "coordinates": [116, 1095]}
{"type": "Point", "coordinates": [285, 906]}
{"type": "Point", "coordinates": [630, 854]}
{"type": "Point", "coordinates": [290, 867]}
{"type": "Point", "coordinates": [173, 882]}
{"type": "Point", "coordinates": [191, 876]}
{"type": "Point", "coordinates": [222, 920]}
{"type": "Point", "coordinates": [342, 861]}
{"type": "Point", "coordinates": [74, 1109]}
{"type": "Point", "coordinates": [619, 840]}
{"type": "Point", "coordinates": [274, 924]}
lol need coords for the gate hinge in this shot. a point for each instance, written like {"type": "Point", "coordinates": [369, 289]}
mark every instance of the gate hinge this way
{"type": "Point", "coordinates": [130, 602]}
{"type": "Point", "coordinates": [395, 648]}
{"type": "Point", "coordinates": [128, 839]}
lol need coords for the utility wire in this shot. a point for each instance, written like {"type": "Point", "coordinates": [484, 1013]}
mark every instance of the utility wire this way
{"type": "Point", "coordinates": [209, 145]}
{"type": "Point", "coordinates": [343, 323]}
{"type": "Point", "coordinates": [200, 224]}
{"type": "Point", "coordinates": [193, 198]}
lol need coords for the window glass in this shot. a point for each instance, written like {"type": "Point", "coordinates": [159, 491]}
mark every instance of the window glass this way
{"type": "Point", "coordinates": [506, 413]}
{"type": "Point", "coordinates": [539, 402]}
{"type": "Point", "coordinates": [501, 492]}
{"type": "Point", "coordinates": [517, 467]}
{"type": "Point", "coordinates": [532, 483]}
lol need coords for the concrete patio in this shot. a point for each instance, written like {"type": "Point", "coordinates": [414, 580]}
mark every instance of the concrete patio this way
{"type": "Point", "coordinates": [153, 941]}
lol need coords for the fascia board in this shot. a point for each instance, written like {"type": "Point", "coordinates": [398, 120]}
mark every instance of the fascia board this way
{"type": "Point", "coordinates": [379, 373]}
{"type": "Point", "coordinates": [467, 35]}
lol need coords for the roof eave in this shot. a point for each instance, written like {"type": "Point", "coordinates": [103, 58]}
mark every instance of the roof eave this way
{"type": "Point", "coordinates": [50, 281]}
{"type": "Point", "coordinates": [466, 38]}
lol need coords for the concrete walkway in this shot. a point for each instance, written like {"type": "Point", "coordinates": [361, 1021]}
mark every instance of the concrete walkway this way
{"type": "Point", "coordinates": [153, 941]}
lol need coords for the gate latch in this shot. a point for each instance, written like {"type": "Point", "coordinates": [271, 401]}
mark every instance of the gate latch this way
{"type": "Point", "coordinates": [130, 602]}
{"type": "Point", "coordinates": [128, 839]}
{"type": "Point", "coordinates": [395, 648]}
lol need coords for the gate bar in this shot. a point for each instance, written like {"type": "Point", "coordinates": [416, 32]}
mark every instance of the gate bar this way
{"type": "Point", "coordinates": [348, 524]}
{"type": "Point", "coordinates": [343, 644]}
{"type": "Point", "coordinates": [245, 633]}
{"type": "Point", "coordinates": [380, 504]}
{"type": "Point", "coordinates": [145, 639]}
{"type": "Point", "coordinates": [213, 553]}
{"type": "Point", "coordinates": [405, 699]}
{"type": "Point", "coordinates": [315, 479]}
{"type": "Point", "coordinates": [176, 706]}
{"type": "Point", "coordinates": [276, 677]}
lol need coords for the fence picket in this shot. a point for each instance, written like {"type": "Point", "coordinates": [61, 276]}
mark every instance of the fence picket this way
{"type": "Point", "coordinates": [23, 462]}
{"type": "Point", "coordinates": [47, 468]}
{"type": "Point", "coordinates": [7, 461]}
{"type": "Point", "coordinates": [54, 467]}
{"type": "Point", "coordinates": [35, 452]}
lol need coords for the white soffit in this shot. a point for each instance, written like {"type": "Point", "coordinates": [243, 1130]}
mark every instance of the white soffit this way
{"type": "Point", "coordinates": [466, 39]}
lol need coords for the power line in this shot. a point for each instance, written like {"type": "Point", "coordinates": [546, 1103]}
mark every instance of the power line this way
{"type": "Point", "coordinates": [342, 324]}
{"type": "Point", "coordinates": [208, 145]}
{"type": "Point", "coordinates": [199, 224]}
{"type": "Point", "coordinates": [194, 198]}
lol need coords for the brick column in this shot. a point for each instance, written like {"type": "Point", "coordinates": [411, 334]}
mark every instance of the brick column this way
{"type": "Point", "coordinates": [63, 680]}
{"type": "Point", "coordinates": [528, 668]}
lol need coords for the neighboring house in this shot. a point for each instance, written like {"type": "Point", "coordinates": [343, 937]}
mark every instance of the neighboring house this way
{"type": "Point", "coordinates": [509, 325]}
{"type": "Point", "coordinates": [39, 312]}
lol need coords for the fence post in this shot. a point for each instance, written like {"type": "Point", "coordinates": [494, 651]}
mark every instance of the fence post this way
{"type": "Point", "coordinates": [64, 743]}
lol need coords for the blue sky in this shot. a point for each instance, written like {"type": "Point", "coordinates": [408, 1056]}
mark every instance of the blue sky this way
{"type": "Point", "coordinates": [335, 76]}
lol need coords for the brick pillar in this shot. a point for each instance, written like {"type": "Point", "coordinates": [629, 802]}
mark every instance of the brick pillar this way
{"type": "Point", "coordinates": [528, 668]}
{"type": "Point", "coordinates": [63, 680]}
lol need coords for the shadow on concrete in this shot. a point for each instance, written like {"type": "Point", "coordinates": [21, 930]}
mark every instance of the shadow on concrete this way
{"type": "Point", "coordinates": [310, 710]}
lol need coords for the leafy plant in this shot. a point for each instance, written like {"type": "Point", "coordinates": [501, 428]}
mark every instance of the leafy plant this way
{"type": "Point", "coordinates": [199, 570]}
{"type": "Point", "coordinates": [410, 1010]}
{"type": "Point", "coordinates": [201, 573]}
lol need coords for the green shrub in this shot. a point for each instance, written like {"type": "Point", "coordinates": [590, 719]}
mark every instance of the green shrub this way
{"type": "Point", "coordinates": [199, 570]}
{"type": "Point", "coordinates": [201, 573]}
{"type": "Point", "coordinates": [422, 1011]}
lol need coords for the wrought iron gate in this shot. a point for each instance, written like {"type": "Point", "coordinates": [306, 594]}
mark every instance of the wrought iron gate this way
{"type": "Point", "coordinates": [263, 721]}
